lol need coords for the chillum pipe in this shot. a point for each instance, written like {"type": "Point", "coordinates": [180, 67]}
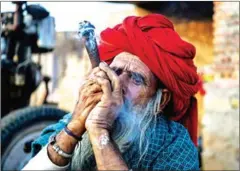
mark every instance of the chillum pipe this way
{"type": "Point", "coordinates": [86, 33]}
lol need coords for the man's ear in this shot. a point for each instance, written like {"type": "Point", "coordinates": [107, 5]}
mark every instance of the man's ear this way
{"type": "Point", "coordinates": [166, 96]}
{"type": "Point", "coordinates": [163, 101]}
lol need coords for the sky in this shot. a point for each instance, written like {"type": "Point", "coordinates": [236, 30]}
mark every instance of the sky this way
{"type": "Point", "coordinates": [69, 14]}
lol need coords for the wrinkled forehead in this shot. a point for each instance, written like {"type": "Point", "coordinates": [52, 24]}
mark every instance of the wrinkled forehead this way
{"type": "Point", "coordinates": [125, 59]}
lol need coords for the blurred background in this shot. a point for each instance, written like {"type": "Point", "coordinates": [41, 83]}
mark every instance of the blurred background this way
{"type": "Point", "coordinates": [59, 63]}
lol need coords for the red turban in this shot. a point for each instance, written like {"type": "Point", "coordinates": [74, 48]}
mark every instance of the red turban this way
{"type": "Point", "coordinates": [152, 38]}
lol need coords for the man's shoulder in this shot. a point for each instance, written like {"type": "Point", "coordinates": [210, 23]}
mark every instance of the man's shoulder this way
{"type": "Point", "coordinates": [178, 150]}
{"type": "Point", "coordinates": [176, 132]}
{"type": "Point", "coordinates": [176, 128]}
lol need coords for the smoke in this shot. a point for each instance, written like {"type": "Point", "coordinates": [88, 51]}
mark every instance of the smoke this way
{"type": "Point", "coordinates": [130, 128]}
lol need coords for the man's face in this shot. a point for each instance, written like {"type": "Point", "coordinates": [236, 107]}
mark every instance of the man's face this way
{"type": "Point", "coordinates": [139, 83]}
{"type": "Point", "coordinates": [139, 86]}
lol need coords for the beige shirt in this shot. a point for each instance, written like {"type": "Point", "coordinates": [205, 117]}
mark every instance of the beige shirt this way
{"type": "Point", "coordinates": [42, 162]}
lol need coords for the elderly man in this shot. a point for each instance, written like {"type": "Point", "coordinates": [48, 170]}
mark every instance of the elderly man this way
{"type": "Point", "coordinates": [137, 107]}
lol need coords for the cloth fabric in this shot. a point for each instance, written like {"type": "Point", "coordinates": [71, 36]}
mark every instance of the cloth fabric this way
{"type": "Point", "coordinates": [47, 132]}
{"type": "Point", "coordinates": [42, 162]}
{"type": "Point", "coordinates": [152, 38]}
{"type": "Point", "coordinates": [170, 147]}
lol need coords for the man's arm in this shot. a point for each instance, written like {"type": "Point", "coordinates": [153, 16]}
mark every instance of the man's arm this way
{"type": "Point", "coordinates": [42, 162]}
{"type": "Point", "coordinates": [48, 159]}
{"type": "Point", "coordinates": [101, 119]}
{"type": "Point", "coordinates": [66, 142]}
{"type": "Point", "coordinates": [87, 101]}
{"type": "Point", "coordinates": [107, 154]}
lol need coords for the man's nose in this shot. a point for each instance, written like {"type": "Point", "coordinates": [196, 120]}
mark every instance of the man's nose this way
{"type": "Point", "coordinates": [124, 81]}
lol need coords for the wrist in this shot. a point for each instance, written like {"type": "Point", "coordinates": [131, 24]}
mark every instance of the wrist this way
{"type": "Point", "coordinates": [65, 142]}
{"type": "Point", "coordinates": [76, 127]}
{"type": "Point", "coordinates": [97, 131]}
{"type": "Point", "coordinates": [71, 134]}
{"type": "Point", "coordinates": [99, 138]}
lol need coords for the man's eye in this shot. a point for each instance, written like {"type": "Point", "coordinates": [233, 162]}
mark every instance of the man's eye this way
{"type": "Point", "coordinates": [138, 82]}
{"type": "Point", "coordinates": [137, 79]}
{"type": "Point", "coordinates": [117, 71]}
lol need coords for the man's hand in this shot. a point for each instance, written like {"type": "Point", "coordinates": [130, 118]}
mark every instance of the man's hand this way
{"type": "Point", "coordinates": [89, 95]}
{"type": "Point", "coordinates": [101, 118]}
{"type": "Point", "coordinates": [105, 112]}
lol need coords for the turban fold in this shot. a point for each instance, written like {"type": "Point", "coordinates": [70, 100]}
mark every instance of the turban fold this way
{"type": "Point", "coordinates": [152, 38]}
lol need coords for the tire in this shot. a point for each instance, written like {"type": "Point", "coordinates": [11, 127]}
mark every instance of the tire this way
{"type": "Point", "coordinates": [19, 128]}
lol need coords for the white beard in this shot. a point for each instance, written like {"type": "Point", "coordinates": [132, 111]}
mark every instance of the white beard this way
{"type": "Point", "coordinates": [130, 127]}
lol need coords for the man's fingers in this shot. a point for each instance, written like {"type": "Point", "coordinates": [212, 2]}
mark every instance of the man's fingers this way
{"type": "Point", "coordinates": [105, 85]}
{"type": "Point", "coordinates": [93, 99]}
{"type": "Point", "coordinates": [86, 83]}
{"type": "Point", "coordinates": [89, 103]}
{"type": "Point", "coordinates": [88, 89]}
{"type": "Point", "coordinates": [101, 74]}
{"type": "Point", "coordinates": [112, 76]}
{"type": "Point", "coordinates": [95, 70]}
{"type": "Point", "coordinates": [93, 89]}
